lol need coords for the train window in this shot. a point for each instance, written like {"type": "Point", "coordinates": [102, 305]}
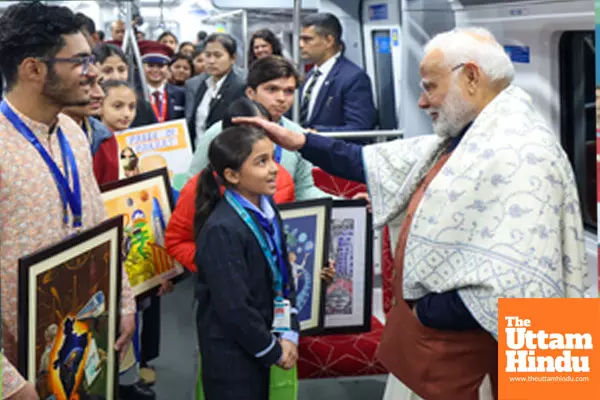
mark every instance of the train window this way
{"type": "Point", "coordinates": [578, 115]}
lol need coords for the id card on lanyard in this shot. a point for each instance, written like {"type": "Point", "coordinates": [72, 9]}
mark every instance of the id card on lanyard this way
{"type": "Point", "coordinates": [282, 315]}
{"type": "Point", "coordinates": [71, 198]}
{"type": "Point", "coordinates": [281, 306]}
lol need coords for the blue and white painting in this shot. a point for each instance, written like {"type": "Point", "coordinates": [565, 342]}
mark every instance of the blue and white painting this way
{"type": "Point", "coordinates": [301, 232]}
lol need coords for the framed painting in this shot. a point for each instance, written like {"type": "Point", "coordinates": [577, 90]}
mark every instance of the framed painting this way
{"type": "Point", "coordinates": [306, 225]}
{"type": "Point", "coordinates": [69, 315]}
{"type": "Point", "coordinates": [150, 147]}
{"type": "Point", "coordinates": [349, 298]}
{"type": "Point", "coordinates": [145, 202]}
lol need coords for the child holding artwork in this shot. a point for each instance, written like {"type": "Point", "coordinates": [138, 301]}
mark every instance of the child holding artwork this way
{"type": "Point", "coordinates": [117, 112]}
{"type": "Point", "coordinates": [246, 316]}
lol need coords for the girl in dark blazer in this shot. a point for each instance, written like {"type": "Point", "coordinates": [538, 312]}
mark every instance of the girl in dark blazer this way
{"type": "Point", "coordinates": [222, 86]}
{"type": "Point", "coordinates": [244, 278]}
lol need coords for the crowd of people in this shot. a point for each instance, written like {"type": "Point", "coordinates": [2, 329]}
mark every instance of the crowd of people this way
{"type": "Point", "coordinates": [80, 83]}
{"type": "Point", "coordinates": [68, 92]}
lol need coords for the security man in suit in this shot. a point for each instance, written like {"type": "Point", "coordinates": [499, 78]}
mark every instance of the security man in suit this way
{"type": "Point", "coordinates": [337, 94]}
{"type": "Point", "coordinates": [168, 101]}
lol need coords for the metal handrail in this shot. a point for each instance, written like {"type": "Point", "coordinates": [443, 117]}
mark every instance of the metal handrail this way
{"type": "Point", "coordinates": [220, 16]}
{"type": "Point", "coordinates": [296, 56]}
{"type": "Point", "coordinates": [399, 133]}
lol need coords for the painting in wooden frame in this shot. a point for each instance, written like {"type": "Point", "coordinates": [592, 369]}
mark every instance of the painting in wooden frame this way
{"type": "Point", "coordinates": [69, 297]}
{"type": "Point", "coordinates": [306, 226]}
{"type": "Point", "coordinates": [146, 203]}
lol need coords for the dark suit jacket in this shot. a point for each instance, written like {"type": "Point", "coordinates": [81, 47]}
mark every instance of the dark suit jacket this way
{"type": "Point", "coordinates": [176, 102]}
{"type": "Point", "coordinates": [144, 115]}
{"type": "Point", "coordinates": [235, 296]}
{"type": "Point", "coordinates": [232, 89]}
{"type": "Point", "coordinates": [345, 100]}
{"type": "Point", "coordinates": [192, 85]}
{"type": "Point", "coordinates": [191, 88]}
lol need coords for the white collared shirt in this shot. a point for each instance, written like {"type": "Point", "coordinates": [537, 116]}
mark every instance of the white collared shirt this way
{"type": "Point", "coordinates": [212, 90]}
{"type": "Point", "coordinates": [160, 89]}
{"type": "Point", "coordinates": [325, 69]}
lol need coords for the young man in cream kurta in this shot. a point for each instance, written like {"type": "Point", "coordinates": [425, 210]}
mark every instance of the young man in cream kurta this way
{"type": "Point", "coordinates": [32, 212]}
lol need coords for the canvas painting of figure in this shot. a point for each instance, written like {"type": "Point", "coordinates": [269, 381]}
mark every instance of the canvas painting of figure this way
{"type": "Point", "coordinates": [306, 226]}
{"type": "Point", "coordinates": [339, 293]}
{"type": "Point", "coordinates": [145, 202]}
{"type": "Point", "coordinates": [69, 315]}
{"type": "Point", "coordinates": [151, 147]}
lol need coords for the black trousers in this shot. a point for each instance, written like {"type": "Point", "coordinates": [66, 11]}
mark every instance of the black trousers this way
{"type": "Point", "coordinates": [150, 332]}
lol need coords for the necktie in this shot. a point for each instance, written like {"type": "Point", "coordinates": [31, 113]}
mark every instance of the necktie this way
{"type": "Point", "coordinates": [157, 100]}
{"type": "Point", "coordinates": [306, 98]}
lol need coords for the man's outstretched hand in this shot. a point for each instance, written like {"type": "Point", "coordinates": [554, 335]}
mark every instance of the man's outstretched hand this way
{"type": "Point", "coordinates": [284, 137]}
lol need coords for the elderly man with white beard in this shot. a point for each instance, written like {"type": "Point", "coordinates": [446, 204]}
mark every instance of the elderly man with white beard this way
{"type": "Point", "coordinates": [486, 208]}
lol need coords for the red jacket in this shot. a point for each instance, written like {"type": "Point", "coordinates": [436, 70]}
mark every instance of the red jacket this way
{"type": "Point", "coordinates": [106, 161]}
{"type": "Point", "coordinates": [179, 237]}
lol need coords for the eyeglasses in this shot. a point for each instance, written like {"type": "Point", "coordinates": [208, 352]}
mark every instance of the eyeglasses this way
{"type": "Point", "coordinates": [427, 90]}
{"type": "Point", "coordinates": [84, 61]}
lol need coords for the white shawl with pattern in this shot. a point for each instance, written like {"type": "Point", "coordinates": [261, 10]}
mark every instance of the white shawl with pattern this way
{"type": "Point", "coordinates": [501, 219]}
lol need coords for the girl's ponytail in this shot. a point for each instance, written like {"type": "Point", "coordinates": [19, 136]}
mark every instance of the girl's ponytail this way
{"type": "Point", "coordinates": [207, 197]}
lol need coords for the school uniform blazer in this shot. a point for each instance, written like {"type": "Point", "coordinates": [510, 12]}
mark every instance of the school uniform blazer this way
{"type": "Point", "coordinates": [234, 289]}
{"type": "Point", "coordinates": [232, 89]}
{"type": "Point", "coordinates": [175, 102]}
{"type": "Point", "coordinates": [191, 87]}
{"type": "Point", "coordinates": [345, 100]}
{"type": "Point", "coordinates": [144, 115]}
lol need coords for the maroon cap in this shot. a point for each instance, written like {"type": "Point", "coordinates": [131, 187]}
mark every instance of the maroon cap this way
{"type": "Point", "coordinates": [154, 52]}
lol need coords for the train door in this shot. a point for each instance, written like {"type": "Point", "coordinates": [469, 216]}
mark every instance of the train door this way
{"type": "Point", "coordinates": [383, 51]}
{"type": "Point", "coordinates": [421, 21]}
{"type": "Point", "coordinates": [551, 44]}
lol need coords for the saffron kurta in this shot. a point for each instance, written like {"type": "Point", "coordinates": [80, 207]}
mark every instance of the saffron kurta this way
{"type": "Point", "coordinates": [32, 217]}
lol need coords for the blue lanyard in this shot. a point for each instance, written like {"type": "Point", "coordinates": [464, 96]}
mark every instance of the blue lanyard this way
{"type": "Point", "coordinates": [277, 154]}
{"type": "Point", "coordinates": [278, 148]}
{"type": "Point", "coordinates": [280, 275]}
{"type": "Point", "coordinates": [73, 198]}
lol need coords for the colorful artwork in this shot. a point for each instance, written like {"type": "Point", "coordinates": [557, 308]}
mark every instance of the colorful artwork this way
{"type": "Point", "coordinates": [69, 315]}
{"type": "Point", "coordinates": [339, 292]}
{"type": "Point", "coordinates": [164, 145]}
{"type": "Point", "coordinates": [349, 297]}
{"type": "Point", "coordinates": [301, 246]}
{"type": "Point", "coordinates": [145, 203]}
{"type": "Point", "coordinates": [306, 226]}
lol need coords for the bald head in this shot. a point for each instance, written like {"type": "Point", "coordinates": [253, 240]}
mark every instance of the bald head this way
{"type": "Point", "coordinates": [118, 30]}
